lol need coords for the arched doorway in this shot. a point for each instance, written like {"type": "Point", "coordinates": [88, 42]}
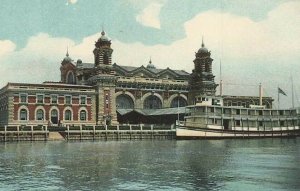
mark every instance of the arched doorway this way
{"type": "Point", "coordinates": [124, 102]}
{"type": "Point", "coordinates": [54, 116]}
{"type": "Point", "coordinates": [152, 102]}
{"type": "Point", "coordinates": [178, 102]}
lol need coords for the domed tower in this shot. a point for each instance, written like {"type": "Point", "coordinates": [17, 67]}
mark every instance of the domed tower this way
{"type": "Point", "coordinates": [67, 70]}
{"type": "Point", "coordinates": [104, 80]}
{"type": "Point", "coordinates": [201, 80]}
{"type": "Point", "coordinates": [150, 65]}
{"type": "Point", "coordinates": [102, 51]}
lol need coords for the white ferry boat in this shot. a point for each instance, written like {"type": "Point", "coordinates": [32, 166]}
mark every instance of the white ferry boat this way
{"type": "Point", "coordinates": [210, 119]}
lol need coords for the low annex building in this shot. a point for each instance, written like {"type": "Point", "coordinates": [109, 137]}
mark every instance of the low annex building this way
{"type": "Point", "coordinates": [105, 93]}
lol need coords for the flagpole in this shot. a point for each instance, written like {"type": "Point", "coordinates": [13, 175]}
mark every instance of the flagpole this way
{"type": "Point", "coordinates": [278, 97]}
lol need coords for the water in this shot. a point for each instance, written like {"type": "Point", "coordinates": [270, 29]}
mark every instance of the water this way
{"type": "Point", "coordinates": [263, 164]}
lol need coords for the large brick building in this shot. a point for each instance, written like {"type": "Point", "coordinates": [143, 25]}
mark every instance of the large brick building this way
{"type": "Point", "coordinates": [96, 93]}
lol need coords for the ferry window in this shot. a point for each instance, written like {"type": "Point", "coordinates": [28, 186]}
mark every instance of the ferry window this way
{"type": "Point", "coordinates": [238, 123]}
{"type": "Point", "coordinates": [281, 123]}
{"type": "Point", "coordinates": [260, 123]}
{"type": "Point", "coordinates": [23, 98]}
{"type": "Point", "coordinates": [40, 98]}
{"type": "Point", "coordinates": [212, 109]}
{"type": "Point", "coordinates": [281, 112]}
{"type": "Point", "coordinates": [238, 112]}
{"type": "Point", "coordinates": [260, 112]}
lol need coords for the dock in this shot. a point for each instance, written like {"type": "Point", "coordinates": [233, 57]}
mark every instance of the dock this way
{"type": "Point", "coordinates": [81, 132]}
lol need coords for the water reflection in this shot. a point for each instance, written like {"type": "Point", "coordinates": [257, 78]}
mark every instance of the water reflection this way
{"type": "Point", "coordinates": [151, 165]}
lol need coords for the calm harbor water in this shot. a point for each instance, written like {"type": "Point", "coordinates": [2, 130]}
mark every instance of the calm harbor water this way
{"type": "Point", "coordinates": [255, 164]}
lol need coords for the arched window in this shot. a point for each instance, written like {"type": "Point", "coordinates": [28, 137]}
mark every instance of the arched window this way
{"type": "Point", "coordinates": [54, 116]}
{"type": "Point", "coordinates": [39, 115]}
{"type": "Point", "coordinates": [124, 102]}
{"type": "Point", "coordinates": [178, 102]}
{"type": "Point", "coordinates": [82, 115]}
{"type": "Point", "coordinates": [70, 78]}
{"type": "Point", "coordinates": [68, 115]}
{"type": "Point", "coordinates": [105, 59]}
{"type": "Point", "coordinates": [152, 102]}
{"type": "Point", "coordinates": [23, 114]}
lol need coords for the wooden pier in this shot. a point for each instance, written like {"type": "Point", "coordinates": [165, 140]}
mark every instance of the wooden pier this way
{"type": "Point", "coordinates": [72, 132]}
{"type": "Point", "coordinates": [23, 133]}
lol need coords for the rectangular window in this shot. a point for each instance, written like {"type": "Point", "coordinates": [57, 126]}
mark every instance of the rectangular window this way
{"type": "Point", "coordinates": [82, 100]}
{"type": "Point", "coordinates": [237, 123]}
{"type": "Point", "coordinates": [54, 99]}
{"type": "Point", "coordinates": [23, 98]}
{"type": "Point", "coordinates": [68, 99]}
{"type": "Point", "coordinates": [40, 99]}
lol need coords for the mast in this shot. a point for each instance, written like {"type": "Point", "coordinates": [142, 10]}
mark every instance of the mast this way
{"type": "Point", "coordinates": [293, 103]}
{"type": "Point", "coordinates": [221, 82]}
{"type": "Point", "coordinates": [260, 94]}
{"type": "Point", "coordinates": [278, 97]}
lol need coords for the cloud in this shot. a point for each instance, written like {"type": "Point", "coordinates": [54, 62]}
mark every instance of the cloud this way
{"type": "Point", "coordinates": [6, 47]}
{"type": "Point", "coordinates": [71, 2]}
{"type": "Point", "coordinates": [150, 15]}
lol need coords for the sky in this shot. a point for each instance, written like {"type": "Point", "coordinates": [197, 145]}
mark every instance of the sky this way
{"type": "Point", "coordinates": [256, 41]}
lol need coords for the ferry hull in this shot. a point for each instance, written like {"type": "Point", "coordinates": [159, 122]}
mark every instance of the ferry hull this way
{"type": "Point", "coordinates": [206, 133]}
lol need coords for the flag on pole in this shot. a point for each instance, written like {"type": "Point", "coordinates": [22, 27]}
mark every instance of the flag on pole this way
{"type": "Point", "coordinates": [280, 91]}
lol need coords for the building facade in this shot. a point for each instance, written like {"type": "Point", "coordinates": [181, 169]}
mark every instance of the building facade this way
{"type": "Point", "coordinates": [99, 92]}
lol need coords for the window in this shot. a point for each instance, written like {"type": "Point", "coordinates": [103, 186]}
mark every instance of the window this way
{"type": "Point", "coordinates": [68, 99]}
{"type": "Point", "coordinates": [238, 112]}
{"type": "Point", "coordinates": [40, 115]}
{"type": "Point", "coordinates": [23, 98]}
{"type": "Point", "coordinates": [281, 123]}
{"type": "Point", "coordinates": [238, 123]}
{"type": "Point", "coordinates": [54, 116]}
{"type": "Point", "coordinates": [54, 99]}
{"type": "Point", "coordinates": [82, 115]}
{"type": "Point", "coordinates": [280, 112]}
{"type": "Point", "coordinates": [260, 112]}
{"type": "Point", "coordinates": [40, 98]}
{"type": "Point", "coordinates": [82, 100]}
{"type": "Point", "coordinates": [23, 114]}
{"type": "Point", "coordinates": [68, 115]}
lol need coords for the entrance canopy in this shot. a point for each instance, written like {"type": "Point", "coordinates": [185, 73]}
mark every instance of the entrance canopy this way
{"type": "Point", "coordinates": [151, 116]}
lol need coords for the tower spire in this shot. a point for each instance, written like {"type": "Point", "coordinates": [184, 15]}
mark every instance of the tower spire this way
{"type": "Point", "coordinates": [202, 45]}
{"type": "Point", "coordinates": [67, 51]}
{"type": "Point", "coordinates": [150, 61]}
